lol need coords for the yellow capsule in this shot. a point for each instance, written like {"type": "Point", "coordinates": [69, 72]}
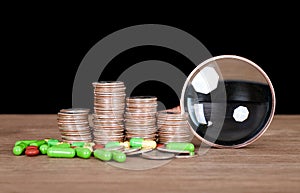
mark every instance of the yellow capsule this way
{"type": "Point", "coordinates": [126, 144]}
{"type": "Point", "coordinates": [89, 145]}
{"type": "Point", "coordinates": [149, 144]}
{"type": "Point", "coordinates": [143, 143]}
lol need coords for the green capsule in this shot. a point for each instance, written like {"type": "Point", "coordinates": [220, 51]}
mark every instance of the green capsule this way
{"type": "Point", "coordinates": [63, 145]}
{"type": "Point", "coordinates": [19, 149]}
{"type": "Point", "coordinates": [43, 149]}
{"type": "Point", "coordinates": [52, 142]}
{"type": "Point", "coordinates": [78, 144]}
{"type": "Point", "coordinates": [136, 142]}
{"type": "Point", "coordinates": [27, 142]}
{"type": "Point", "coordinates": [112, 144]}
{"type": "Point", "coordinates": [38, 143]}
{"type": "Point", "coordinates": [102, 154]}
{"type": "Point", "coordinates": [181, 146]}
{"type": "Point", "coordinates": [119, 156]}
{"type": "Point", "coordinates": [83, 152]}
{"type": "Point", "coordinates": [143, 143]}
{"type": "Point", "coordinates": [60, 152]}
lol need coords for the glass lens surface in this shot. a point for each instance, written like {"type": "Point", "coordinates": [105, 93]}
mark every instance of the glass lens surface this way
{"type": "Point", "coordinates": [229, 101]}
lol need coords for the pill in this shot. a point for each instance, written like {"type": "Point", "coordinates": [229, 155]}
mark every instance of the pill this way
{"type": "Point", "coordinates": [160, 145]}
{"type": "Point", "coordinates": [32, 151]}
{"type": "Point", "coordinates": [38, 143]}
{"type": "Point", "coordinates": [78, 144]}
{"type": "Point", "coordinates": [31, 147]}
{"type": "Point", "coordinates": [62, 145]}
{"type": "Point", "coordinates": [119, 156]}
{"type": "Point", "coordinates": [27, 142]}
{"type": "Point", "coordinates": [98, 146]}
{"type": "Point", "coordinates": [136, 142]}
{"type": "Point", "coordinates": [112, 144]}
{"type": "Point", "coordinates": [51, 142]}
{"type": "Point", "coordinates": [60, 152]}
{"type": "Point", "coordinates": [126, 144]}
{"type": "Point", "coordinates": [144, 143]}
{"type": "Point", "coordinates": [102, 154]}
{"type": "Point", "coordinates": [19, 149]}
{"type": "Point", "coordinates": [181, 146]}
{"type": "Point", "coordinates": [43, 149]}
{"type": "Point", "coordinates": [83, 152]}
{"type": "Point", "coordinates": [89, 145]}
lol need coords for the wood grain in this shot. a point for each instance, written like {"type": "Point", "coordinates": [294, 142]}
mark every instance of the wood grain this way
{"type": "Point", "coordinates": [271, 164]}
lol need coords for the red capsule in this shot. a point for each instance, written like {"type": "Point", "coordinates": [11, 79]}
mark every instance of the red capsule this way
{"type": "Point", "coordinates": [161, 145]}
{"type": "Point", "coordinates": [31, 147]}
{"type": "Point", "coordinates": [32, 151]}
{"type": "Point", "coordinates": [98, 146]}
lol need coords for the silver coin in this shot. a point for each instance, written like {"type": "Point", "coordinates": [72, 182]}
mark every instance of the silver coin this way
{"type": "Point", "coordinates": [170, 150]}
{"type": "Point", "coordinates": [73, 124]}
{"type": "Point", "coordinates": [141, 99]}
{"type": "Point", "coordinates": [140, 117]}
{"type": "Point", "coordinates": [75, 110]}
{"type": "Point", "coordinates": [103, 142]}
{"type": "Point", "coordinates": [139, 152]}
{"type": "Point", "coordinates": [130, 150]}
{"type": "Point", "coordinates": [108, 84]}
{"type": "Point", "coordinates": [146, 138]}
{"type": "Point", "coordinates": [87, 133]}
{"type": "Point", "coordinates": [74, 127]}
{"type": "Point", "coordinates": [118, 148]}
{"type": "Point", "coordinates": [157, 155]}
{"type": "Point", "coordinates": [108, 137]}
{"type": "Point", "coordinates": [71, 116]}
{"type": "Point", "coordinates": [72, 141]}
{"type": "Point", "coordinates": [173, 127]}
{"type": "Point", "coordinates": [79, 138]}
{"type": "Point", "coordinates": [143, 132]}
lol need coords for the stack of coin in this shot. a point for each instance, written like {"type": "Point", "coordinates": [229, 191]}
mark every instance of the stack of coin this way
{"type": "Point", "coordinates": [140, 117]}
{"type": "Point", "coordinates": [173, 127]}
{"type": "Point", "coordinates": [109, 107]}
{"type": "Point", "coordinates": [73, 125]}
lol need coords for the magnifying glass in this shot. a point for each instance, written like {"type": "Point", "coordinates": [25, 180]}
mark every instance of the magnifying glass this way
{"type": "Point", "coordinates": [229, 100]}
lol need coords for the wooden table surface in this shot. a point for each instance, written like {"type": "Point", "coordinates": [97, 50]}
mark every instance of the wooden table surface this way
{"type": "Point", "coordinates": [271, 164]}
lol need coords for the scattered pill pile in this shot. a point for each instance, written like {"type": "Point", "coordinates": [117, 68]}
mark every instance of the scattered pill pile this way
{"type": "Point", "coordinates": [56, 149]}
{"type": "Point", "coordinates": [116, 151]}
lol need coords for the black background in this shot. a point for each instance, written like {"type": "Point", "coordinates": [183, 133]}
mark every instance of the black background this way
{"type": "Point", "coordinates": [42, 55]}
